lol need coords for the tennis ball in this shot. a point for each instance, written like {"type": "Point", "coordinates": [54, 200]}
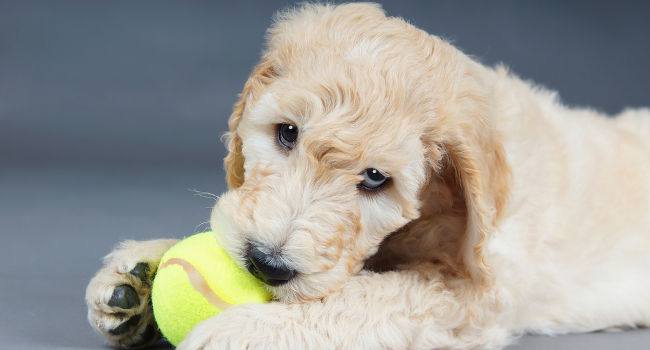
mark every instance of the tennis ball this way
{"type": "Point", "coordinates": [196, 280]}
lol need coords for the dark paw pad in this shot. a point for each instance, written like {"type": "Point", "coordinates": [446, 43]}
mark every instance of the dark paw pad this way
{"type": "Point", "coordinates": [124, 297]}
{"type": "Point", "coordinates": [141, 271]}
{"type": "Point", "coordinates": [126, 325]}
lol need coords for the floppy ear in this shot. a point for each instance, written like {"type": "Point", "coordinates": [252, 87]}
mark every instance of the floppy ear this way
{"type": "Point", "coordinates": [469, 137]}
{"type": "Point", "coordinates": [234, 161]}
{"type": "Point", "coordinates": [483, 175]}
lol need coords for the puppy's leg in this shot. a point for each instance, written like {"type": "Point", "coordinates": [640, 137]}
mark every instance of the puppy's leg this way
{"type": "Point", "coordinates": [118, 296]}
{"type": "Point", "coordinates": [394, 310]}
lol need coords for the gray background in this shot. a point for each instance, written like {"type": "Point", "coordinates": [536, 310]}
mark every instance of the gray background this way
{"type": "Point", "coordinates": [111, 112]}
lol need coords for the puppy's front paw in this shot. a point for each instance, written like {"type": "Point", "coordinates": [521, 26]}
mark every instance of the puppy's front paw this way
{"type": "Point", "coordinates": [119, 306]}
{"type": "Point", "coordinates": [118, 297]}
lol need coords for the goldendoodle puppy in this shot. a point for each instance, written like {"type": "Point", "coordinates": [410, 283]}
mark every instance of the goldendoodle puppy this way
{"type": "Point", "coordinates": [394, 193]}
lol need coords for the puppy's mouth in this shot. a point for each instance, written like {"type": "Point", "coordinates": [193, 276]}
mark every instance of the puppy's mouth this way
{"type": "Point", "coordinates": [267, 266]}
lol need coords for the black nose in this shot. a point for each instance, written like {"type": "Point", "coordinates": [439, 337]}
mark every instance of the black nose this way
{"type": "Point", "coordinates": [267, 268]}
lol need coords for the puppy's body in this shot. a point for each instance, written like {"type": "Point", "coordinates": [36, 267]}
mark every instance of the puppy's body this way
{"type": "Point", "coordinates": [578, 207]}
{"type": "Point", "coordinates": [506, 211]}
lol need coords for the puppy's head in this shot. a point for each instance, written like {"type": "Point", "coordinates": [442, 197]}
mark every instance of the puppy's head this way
{"type": "Point", "coordinates": [338, 130]}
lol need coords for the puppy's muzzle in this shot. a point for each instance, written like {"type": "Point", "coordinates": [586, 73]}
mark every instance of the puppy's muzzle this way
{"type": "Point", "coordinates": [267, 267]}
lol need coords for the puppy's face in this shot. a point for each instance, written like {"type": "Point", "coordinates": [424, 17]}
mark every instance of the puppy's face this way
{"type": "Point", "coordinates": [332, 164]}
{"type": "Point", "coordinates": [337, 130]}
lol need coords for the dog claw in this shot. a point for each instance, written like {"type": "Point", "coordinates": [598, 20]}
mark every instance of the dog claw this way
{"type": "Point", "coordinates": [126, 326]}
{"type": "Point", "coordinates": [124, 297]}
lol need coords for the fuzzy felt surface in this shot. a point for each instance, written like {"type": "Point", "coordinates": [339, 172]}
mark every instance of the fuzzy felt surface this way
{"type": "Point", "coordinates": [181, 293]}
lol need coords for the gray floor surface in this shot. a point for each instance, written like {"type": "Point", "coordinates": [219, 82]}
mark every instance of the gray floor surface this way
{"type": "Point", "coordinates": [56, 224]}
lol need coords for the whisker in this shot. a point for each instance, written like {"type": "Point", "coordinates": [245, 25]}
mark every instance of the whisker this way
{"type": "Point", "coordinates": [198, 228]}
{"type": "Point", "coordinates": [204, 194]}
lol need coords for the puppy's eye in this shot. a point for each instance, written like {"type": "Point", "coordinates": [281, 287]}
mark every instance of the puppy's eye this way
{"type": "Point", "coordinates": [373, 180]}
{"type": "Point", "coordinates": [287, 135]}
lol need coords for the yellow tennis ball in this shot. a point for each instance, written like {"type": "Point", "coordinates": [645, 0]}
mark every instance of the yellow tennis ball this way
{"type": "Point", "coordinates": [196, 280]}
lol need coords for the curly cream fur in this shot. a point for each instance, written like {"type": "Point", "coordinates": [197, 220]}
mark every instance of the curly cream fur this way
{"type": "Point", "coordinates": [507, 212]}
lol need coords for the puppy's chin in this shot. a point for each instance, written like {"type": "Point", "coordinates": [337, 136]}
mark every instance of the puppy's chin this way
{"type": "Point", "coordinates": [311, 287]}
